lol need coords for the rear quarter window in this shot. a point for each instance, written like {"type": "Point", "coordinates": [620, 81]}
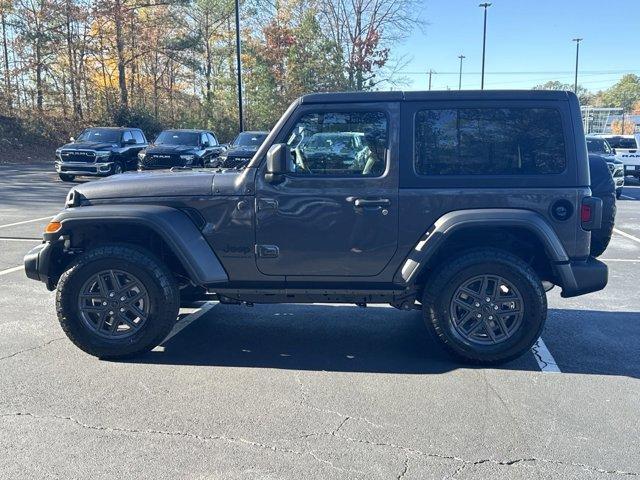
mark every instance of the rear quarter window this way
{"type": "Point", "coordinates": [489, 141]}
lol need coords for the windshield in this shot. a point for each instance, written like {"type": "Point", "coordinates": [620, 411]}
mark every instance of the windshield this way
{"type": "Point", "coordinates": [104, 135]}
{"type": "Point", "coordinates": [598, 145]}
{"type": "Point", "coordinates": [172, 137]}
{"type": "Point", "coordinates": [248, 139]}
{"type": "Point", "coordinates": [621, 142]}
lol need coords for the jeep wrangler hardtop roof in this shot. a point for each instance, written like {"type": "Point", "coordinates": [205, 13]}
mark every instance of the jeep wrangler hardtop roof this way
{"type": "Point", "coordinates": [354, 97]}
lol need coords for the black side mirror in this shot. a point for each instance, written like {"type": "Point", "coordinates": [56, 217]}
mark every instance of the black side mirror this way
{"type": "Point", "coordinates": [205, 145]}
{"type": "Point", "coordinates": [613, 150]}
{"type": "Point", "coordinates": [277, 163]}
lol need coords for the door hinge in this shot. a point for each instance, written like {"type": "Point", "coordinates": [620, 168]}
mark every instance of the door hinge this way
{"type": "Point", "coordinates": [267, 251]}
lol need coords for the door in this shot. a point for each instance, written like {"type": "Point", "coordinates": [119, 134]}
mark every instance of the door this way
{"type": "Point", "coordinates": [336, 214]}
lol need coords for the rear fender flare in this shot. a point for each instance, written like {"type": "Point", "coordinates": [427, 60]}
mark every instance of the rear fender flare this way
{"type": "Point", "coordinates": [452, 222]}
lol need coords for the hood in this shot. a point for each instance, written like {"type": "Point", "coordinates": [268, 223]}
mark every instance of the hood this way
{"type": "Point", "coordinates": [89, 146]}
{"type": "Point", "coordinates": [149, 184]}
{"type": "Point", "coordinates": [241, 151]}
{"type": "Point", "coordinates": [170, 149]}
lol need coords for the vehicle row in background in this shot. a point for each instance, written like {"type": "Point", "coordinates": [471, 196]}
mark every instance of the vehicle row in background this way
{"type": "Point", "coordinates": [597, 145]}
{"type": "Point", "coordinates": [105, 151]}
{"type": "Point", "coordinates": [625, 149]}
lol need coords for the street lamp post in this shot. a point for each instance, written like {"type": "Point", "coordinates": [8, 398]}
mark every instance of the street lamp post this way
{"type": "Point", "coordinates": [460, 76]}
{"type": "Point", "coordinates": [575, 82]}
{"type": "Point", "coordinates": [239, 67]}
{"type": "Point", "coordinates": [484, 41]}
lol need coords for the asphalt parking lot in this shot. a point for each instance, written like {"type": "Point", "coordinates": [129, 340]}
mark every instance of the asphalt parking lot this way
{"type": "Point", "coordinates": [308, 391]}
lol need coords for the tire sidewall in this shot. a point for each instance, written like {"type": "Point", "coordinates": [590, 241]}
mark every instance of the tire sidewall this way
{"type": "Point", "coordinates": [87, 339]}
{"type": "Point", "coordinates": [534, 304]}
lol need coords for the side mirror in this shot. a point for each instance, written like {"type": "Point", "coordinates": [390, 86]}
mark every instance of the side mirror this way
{"type": "Point", "coordinates": [277, 163]}
{"type": "Point", "coordinates": [613, 150]}
{"type": "Point", "coordinates": [72, 139]}
{"type": "Point", "coordinates": [205, 145]}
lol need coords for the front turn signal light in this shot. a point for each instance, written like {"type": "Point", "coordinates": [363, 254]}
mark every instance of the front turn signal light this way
{"type": "Point", "coordinates": [52, 227]}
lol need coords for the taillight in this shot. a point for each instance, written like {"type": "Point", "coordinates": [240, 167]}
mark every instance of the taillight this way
{"type": "Point", "coordinates": [591, 213]}
{"type": "Point", "coordinates": [586, 213]}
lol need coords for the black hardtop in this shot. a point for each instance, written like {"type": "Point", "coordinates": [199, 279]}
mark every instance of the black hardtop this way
{"type": "Point", "coordinates": [436, 95]}
{"type": "Point", "coordinates": [192, 130]}
{"type": "Point", "coordinates": [119, 129]}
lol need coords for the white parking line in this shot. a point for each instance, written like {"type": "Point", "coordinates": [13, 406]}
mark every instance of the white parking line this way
{"type": "Point", "coordinates": [185, 322]}
{"type": "Point", "coordinates": [13, 239]}
{"type": "Point", "coordinates": [625, 234]}
{"type": "Point", "coordinates": [627, 260]}
{"type": "Point", "coordinates": [543, 356]}
{"type": "Point", "coordinates": [11, 270]}
{"type": "Point", "coordinates": [26, 221]}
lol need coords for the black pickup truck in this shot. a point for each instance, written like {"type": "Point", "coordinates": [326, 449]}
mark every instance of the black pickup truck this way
{"type": "Point", "coordinates": [180, 148]}
{"type": "Point", "coordinates": [464, 205]}
{"type": "Point", "coordinates": [100, 152]}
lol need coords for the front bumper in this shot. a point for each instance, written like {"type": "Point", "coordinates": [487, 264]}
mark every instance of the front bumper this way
{"type": "Point", "coordinates": [79, 168]}
{"type": "Point", "coordinates": [580, 277]}
{"type": "Point", "coordinates": [38, 261]}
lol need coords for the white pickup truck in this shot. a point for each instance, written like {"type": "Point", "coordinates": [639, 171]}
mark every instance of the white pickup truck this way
{"type": "Point", "coordinates": [627, 150]}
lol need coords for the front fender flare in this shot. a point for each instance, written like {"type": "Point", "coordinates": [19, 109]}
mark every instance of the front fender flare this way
{"type": "Point", "coordinates": [454, 221]}
{"type": "Point", "coordinates": [173, 226]}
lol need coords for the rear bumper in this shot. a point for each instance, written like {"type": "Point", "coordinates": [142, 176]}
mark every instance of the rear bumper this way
{"type": "Point", "coordinates": [580, 277]}
{"type": "Point", "coordinates": [79, 168]}
{"type": "Point", "coordinates": [37, 262]}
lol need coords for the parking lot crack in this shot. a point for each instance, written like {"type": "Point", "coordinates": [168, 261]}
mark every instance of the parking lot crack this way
{"type": "Point", "coordinates": [405, 467]}
{"type": "Point", "coordinates": [195, 436]}
{"type": "Point", "coordinates": [30, 349]}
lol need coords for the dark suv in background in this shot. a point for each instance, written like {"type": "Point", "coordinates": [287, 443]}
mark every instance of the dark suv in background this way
{"type": "Point", "coordinates": [180, 148]}
{"type": "Point", "coordinates": [100, 151]}
{"type": "Point", "coordinates": [600, 146]}
{"type": "Point", "coordinates": [241, 150]}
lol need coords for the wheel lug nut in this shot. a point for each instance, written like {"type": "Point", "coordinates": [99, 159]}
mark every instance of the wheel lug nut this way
{"type": "Point", "coordinates": [495, 307]}
{"type": "Point", "coordinates": [122, 299]}
{"type": "Point", "coordinates": [477, 304]}
{"type": "Point", "coordinates": [111, 312]}
{"type": "Point", "coordinates": [479, 315]}
{"type": "Point", "coordinates": [104, 303]}
{"type": "Point", "coordinates": [112, 294]}
{"type": "Point", "coordinates": [490, 317]}
{"type": "Point", "coordinates": [122, 309]}
{"type": "Point", "coordinates": [488, 299]}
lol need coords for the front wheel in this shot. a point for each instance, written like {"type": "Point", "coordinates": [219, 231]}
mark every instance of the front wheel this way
{"type": "Point", "coordinates": [116, 169]}
{"type": "Point", "coordinates": [486, 307]}
{"type": "Point", "coordinates": [117, 301]}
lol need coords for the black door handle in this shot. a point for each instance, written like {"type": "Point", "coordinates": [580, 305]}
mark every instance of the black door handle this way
{"type": "Point", "coordinates": [364, 202]}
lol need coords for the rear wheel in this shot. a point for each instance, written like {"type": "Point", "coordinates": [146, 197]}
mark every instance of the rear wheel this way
{"type": "Point", "coordinates": [116, 301]}
{"type": "Point", "coordinates": [486, 307]}
{"type": "Point", "coordinates": [66, 178]}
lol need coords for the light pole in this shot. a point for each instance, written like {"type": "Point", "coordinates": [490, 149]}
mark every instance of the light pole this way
{"type": "Point", "coordinates": [575, 82]}
{"type": "Point", "coordinates": [484, 41]}
{"type": "Point", "coordinates": [239, 67]}
{"type": "Point", "coordinates": [431, 72]}
{"type": "Point", "coordinates": [460, 76]}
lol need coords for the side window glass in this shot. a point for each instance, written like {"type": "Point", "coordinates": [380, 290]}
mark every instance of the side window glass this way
{"type": "Point", "coordinates": [212, 140]}
{"type": "Point", "coordinates": [345, 144]}
{"type": "Point", "coordinates": [489, 141]}
{"type": "Point", "coordinates": [126, 136]}
{"type": "Point", "coordinates": [137, 134]}
{"type": "Point", "coordinates": [203, 139]}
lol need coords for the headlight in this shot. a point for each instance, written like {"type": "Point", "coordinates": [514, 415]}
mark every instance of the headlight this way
{"type": "Point", "coordinates": [187, 158]}
{"type": "Point", "coordinates": [103, 154]}
{"type": "Point", "coordinates": [141, 155]}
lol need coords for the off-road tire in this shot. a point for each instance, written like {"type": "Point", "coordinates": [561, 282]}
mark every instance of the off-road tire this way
{"type": "Point", "coordinates": [117, 166]}
{"type": "Point", "coordinates": [66, 178]}
{"type": "Point", "coordinates": [163, 293]}
{"type": "Point", "coordinates": [601, 237]}
{"type": "Point", "coordinates": [618, 193]}
{"type": "Point", "coordinates": [448, 277]}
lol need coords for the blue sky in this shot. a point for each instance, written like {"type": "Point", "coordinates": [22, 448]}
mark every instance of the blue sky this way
{"type": "Point", "coordinates": [532, 36]}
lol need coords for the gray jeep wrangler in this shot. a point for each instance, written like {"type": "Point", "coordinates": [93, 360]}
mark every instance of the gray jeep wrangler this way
{"type": "Point", "coordinates": [464, 205]}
